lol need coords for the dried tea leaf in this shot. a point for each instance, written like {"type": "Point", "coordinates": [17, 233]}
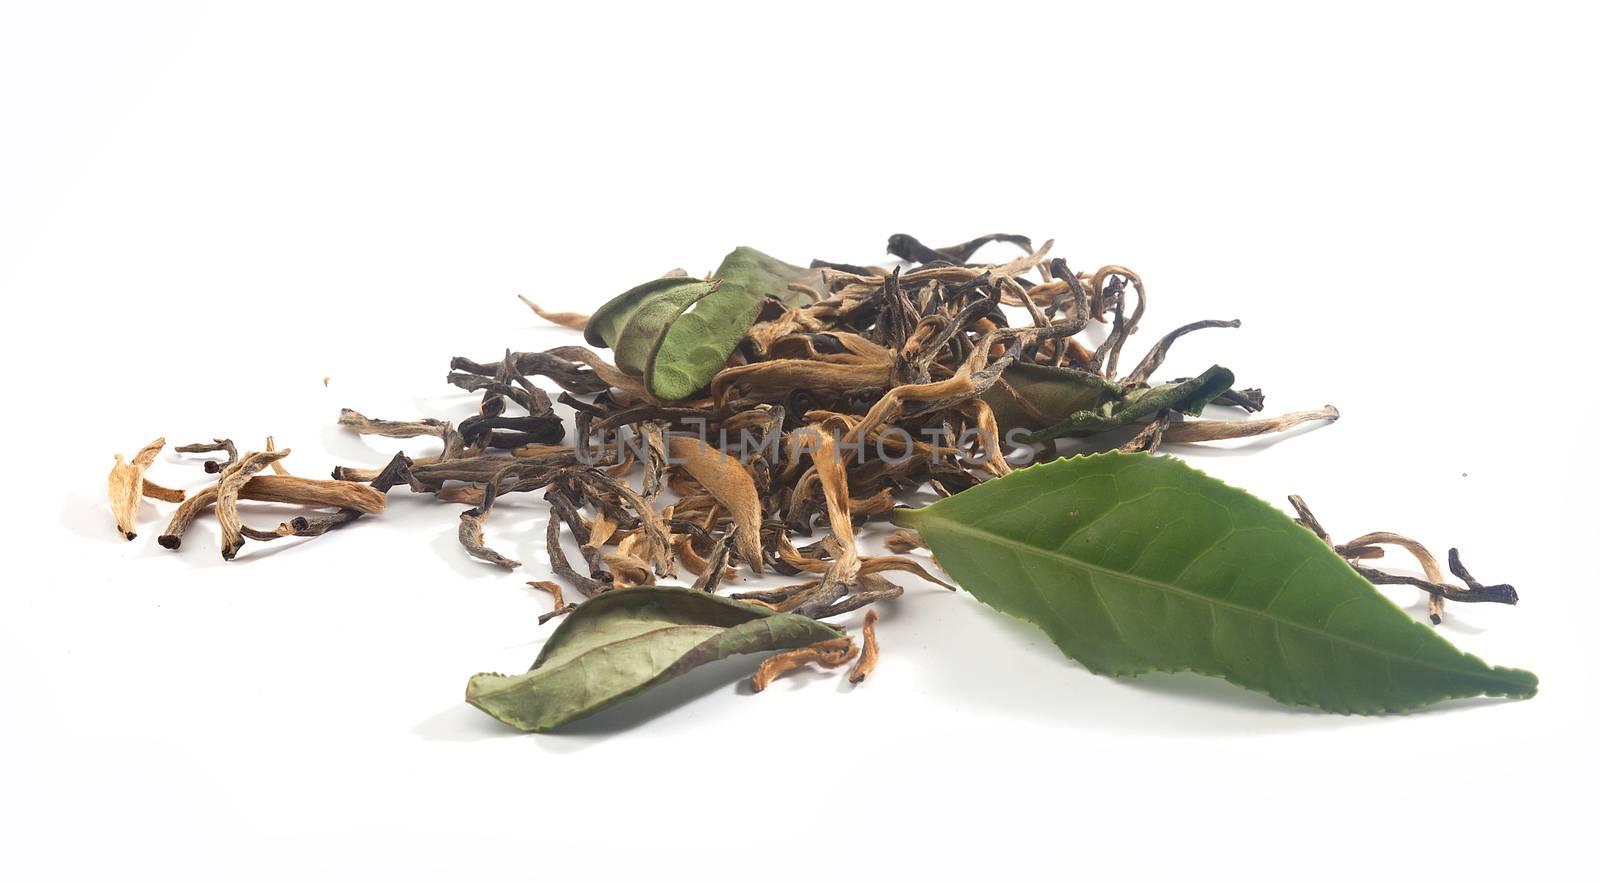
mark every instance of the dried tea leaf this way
{"type": "Point", "coordinates": [634, 323]}
{"type": "Point", "coordinates": [827, 654]}
{"type": "Point", "coordinates": [346, 495]}
{"type": "Point", "coordinates": [675, 349]}
{"type": "Point", "coordinates": [151, 490]}
{"type": "Point", "coordinates": [1219, 430]}
{"type": "Point", "coordinates": [908, 248]}
{"type": "Point", "coordinates": [1134, 563]}
{"type": "Point", "coordinates": [574, 320]}
{"type": "Point", "coordinates": [794, 373]}
{"type": "Point", "coordinates": [125, 485]}
{"type": "Point", "coordinates": [227, 501]}
{"type": "Point", "coordinates": [729, 481]}
{"type": "Point", "coordinates": [865, 665]}
{"type": "Point", "coordinates": [622, 642]}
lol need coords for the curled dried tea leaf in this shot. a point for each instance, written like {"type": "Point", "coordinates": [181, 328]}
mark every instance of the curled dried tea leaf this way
{"type": "Point", "coordinates": [1370, 546]}
{"type": "Point", "coordinates": [909, 249]}
{"type": "Point", "coordinates": [1217, 430]}
{"type": "Point", "coordinates": [621, 643]}
{"type": "Point", "coordinates": [277, 465]}
{"type": "Point", "coordinates": [470, 534]}
{"type": "Point", "coordinates": [836, 491]}
{"type": "Point", "coordinates": [556, 593]}
{"type": "Point", "coordinates": [827, 605]}
{"type": "Point", "coordinates": [828, 654]}
{"type": "Point", "coordinates": [1158, 353]}
{"type": "Point", "coordinates": [345, 495]}
{"type": "Point", "coordinates": [554, 589]}
{"type": "Point", "coordinates": [125, 485]}
{"type": "Point", "coordinates": [559, 564]}
{"type": "Point", "coordinates": [869, 649]}
{"type": "Point", "coordinates": [296, 490]}
{"type": "Point", "coordinates": [574, 320]}
{"type": "Point", "coordinates": [784, 375]}
{"type": "Point", "coordinates": [212, 466]}
{"type": "Point", "coordinates": [567, 372]}
{"type": "Point", "coordinates": [227, 503]}
{"type": "Point", "coordinates": [729, 481]}
{"type": "Point", "coordinates": [454, 444]}
{"type": "Point", "coordinates": [151, 490]}
{"type": "Point", "coordinates": [1425, 559]}
{"type": "Point", "coordinates": [717, 561]}
{"type": "Point", "coordinates": [659, 547]}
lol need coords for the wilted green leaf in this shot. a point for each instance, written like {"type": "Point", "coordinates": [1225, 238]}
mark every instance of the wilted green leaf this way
{"type": "Point", "coordinates": [627, 640]}
{"type": "Point", "coordinates": [1059, 402]}
{"type": "Point", "coordinates": [1035, 396]}
{"type": "Point", "coordinates": [676, 333]}
{"type": "Point", "coordinates": [633, 323]}
{"type": "Point", "coordinates": [1135, 563]}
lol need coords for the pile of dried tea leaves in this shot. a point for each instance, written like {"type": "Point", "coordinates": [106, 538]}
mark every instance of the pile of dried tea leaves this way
{"type": "Point", "coordinates": [757, 417]}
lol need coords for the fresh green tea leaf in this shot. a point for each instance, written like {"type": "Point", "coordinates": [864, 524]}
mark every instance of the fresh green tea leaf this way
{"type": "Point", "coordinates": [625, 641]}
{"type": "Point", "coordinates": [676, 333]}
{"type": "Point", "coordinates": [1135, 563]}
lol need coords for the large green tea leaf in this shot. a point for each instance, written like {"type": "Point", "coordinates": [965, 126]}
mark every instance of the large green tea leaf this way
{"type": "Point", "coordinates": [625, 641]}
{"type": "Point", "coordinates": [676, 333]}
{"type": "Point", "coordinates": [1135, 563]}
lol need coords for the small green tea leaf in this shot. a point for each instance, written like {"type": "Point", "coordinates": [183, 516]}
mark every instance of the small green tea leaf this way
{"type": "Point", "coordinates": [676, 333]}
{"type": "Point", "coordinates": [1036, 396]}
{"type": "Point", "coordinates": [1140, 405]}
{"type": "Point", "coordinates": [1135, 563]}
{"type": "Point", "coordinates": [627, 640]}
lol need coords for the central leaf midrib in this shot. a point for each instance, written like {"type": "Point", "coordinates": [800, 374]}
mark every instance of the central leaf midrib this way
{"type": "Point", "coordinates": [1488, 672]}
{"type": "Point", "coordinates": [612, 644]}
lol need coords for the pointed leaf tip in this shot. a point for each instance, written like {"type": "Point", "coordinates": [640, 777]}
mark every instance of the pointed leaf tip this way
{"type": "Point", "coordinates": [624, 642]}
{"type": "Point", "coordinates": [1134, 563]}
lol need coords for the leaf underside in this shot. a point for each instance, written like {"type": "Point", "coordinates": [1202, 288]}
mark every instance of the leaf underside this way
{"type": "Point", "coordinates": [627, 640]}
{"type": "Point", "coordinates": [1134, 563]}
{"type": "Point", "coordinates": [676, 333]}
{"type": "Point", "coordinates": [1035, 396]}
{"type": "Point", "coordinates": [1140, 405]}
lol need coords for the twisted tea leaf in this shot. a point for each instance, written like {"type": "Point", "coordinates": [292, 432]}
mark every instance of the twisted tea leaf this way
{"type": "Point", "coordinates": [622, 642]}
{"type": "Point", "coordinates": [1134, 563]}
{"type": "Point", "coordinates": [676, 349]}
{"type": "Point", "coordinates": [1140, 405]}
{"type": "Point", "coordinates": [1034, 396]}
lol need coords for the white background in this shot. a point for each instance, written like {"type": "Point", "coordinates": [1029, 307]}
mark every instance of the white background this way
{"type": "Point", "coordinates": [206, 211]}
